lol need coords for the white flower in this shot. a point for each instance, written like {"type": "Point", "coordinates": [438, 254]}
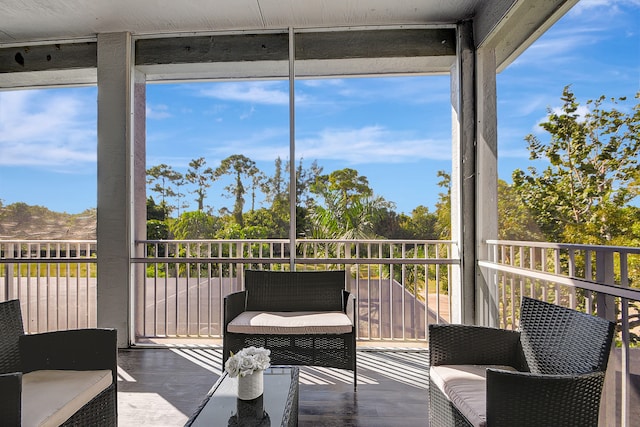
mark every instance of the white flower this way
{"type": "Point", "coordinates": [247, 361]}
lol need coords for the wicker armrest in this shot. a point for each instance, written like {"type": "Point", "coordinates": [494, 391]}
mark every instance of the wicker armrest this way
{"type": "Point", "coordinates": [10, 403]}
{"type": "Point", "coordinates": [77, 349]}
{"type": "Point", "coordinates": [526, 399]}
{"type": "Point", "coordinates": [474, 345]}
{"type": "Point", "coordinates": [349, 306]}
{"type": "Point", "coordinates": [234, 304]}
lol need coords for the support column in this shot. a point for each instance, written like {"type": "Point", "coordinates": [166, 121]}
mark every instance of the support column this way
{"type": "Point", "coordinates": [139, 201]}
{"type": "Point", "coordinates": [463, 187]}
{"type": "Point", "coordinates": [115, 182]}
{"type": "Point", "coordinates": [486, 201]}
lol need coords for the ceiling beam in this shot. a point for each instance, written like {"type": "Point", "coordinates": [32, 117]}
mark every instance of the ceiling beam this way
{"type": "Point", "coordinates": [332, 53]}
{"type": "Point", "coordinates": [49, 57]}
{"type": "Point", "coordinates": [392, 43]}
{"type": "Point", "coordinates": [207, 49]}
{"type": "Point", "coordinates": [319, 53]}
{"type": "Point", "coordinates": [376, 44]}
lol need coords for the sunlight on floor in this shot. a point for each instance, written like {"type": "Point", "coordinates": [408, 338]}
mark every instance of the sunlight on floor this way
{"type": "Point", "coordinates": [134, 405]}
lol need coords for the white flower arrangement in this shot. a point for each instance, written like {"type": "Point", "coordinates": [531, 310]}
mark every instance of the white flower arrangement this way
{"type": "Point", "coordinates": [247, 361]}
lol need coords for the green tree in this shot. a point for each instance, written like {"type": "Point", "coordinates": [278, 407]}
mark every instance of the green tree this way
{"type": "Point", "coordinates": [515, 222]}
{"type": "Point", "coordinates": [201, 176]}
{"type": "Point", "coordinates": [275, 187]}
{"type": "Point", "coordinates": [239, 166]}
{"type": "Point", "coordinates": [266, 219]}
{"type": "Point", "coordinates": [388, 224]}
{"type": "Point", "coordinates": [179, 194]}
{"type": "Point", "coordinates": [194, 225]}
{"type": "Point", "coordinates": [591, 172]}
{"type": "Point", "coordinates": [157, 230]}
{"type": "Point", "coordinates": [350, 209]}
{"type": "Point", "coordinates": [305, 178]}
{"type": "Point", "coordinates": [342, 187]}
{"type": "Point", "coordinates": [164, 178]}
{"type": "Point", "coordinates": [355, 220]}
{"type": "Point", "coordinates": [277, 193]}
{"type": "Point", "coordinates": [443, 207]}
{"type": "Point", "coordinates": [420, 225]}
{"type": "Point", "coordinates": [155, 211]}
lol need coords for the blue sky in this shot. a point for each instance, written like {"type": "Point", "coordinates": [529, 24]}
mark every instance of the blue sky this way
{"type": "Point", "coordinates": [394, 131]}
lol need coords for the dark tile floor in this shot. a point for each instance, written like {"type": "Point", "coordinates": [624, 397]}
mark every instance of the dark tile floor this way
{"type": "Point", "coordinates": [162, 387]}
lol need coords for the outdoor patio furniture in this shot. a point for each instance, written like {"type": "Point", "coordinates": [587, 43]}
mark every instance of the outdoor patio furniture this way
{"type": "Point", "coordinates": [279, 402]}
{"type": "Point", "coordinates": [303, 317]}
{"type": "Point", "coordinates": [549, 372]}
{"type": "Point", "coordinates": [56, 378]}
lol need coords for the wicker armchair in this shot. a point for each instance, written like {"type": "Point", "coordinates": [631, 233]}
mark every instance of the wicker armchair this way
{"type": "Point", "coordinates": [550, 372]}
{"type": "Point", "coordinates": [71, 350]}
{"type": "Point", "coordinates": [280, 292]}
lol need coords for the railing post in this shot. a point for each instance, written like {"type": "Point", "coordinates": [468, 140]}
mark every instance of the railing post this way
{"type": "Point", "coordinates": [347, 267]}
{"type": "Point", "coordinates": [239, 268]}
{"type": "Point", "coordinates": [605, 306]}
{"type": "Point", "coordinates": [625, 355]}
{"type": "Point", "coordinates": [8, 272]}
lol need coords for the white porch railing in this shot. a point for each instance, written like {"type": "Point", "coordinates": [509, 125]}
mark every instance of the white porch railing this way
{"type": "Point", "coordinates": [401, 286]}
{"type": "Point", "coordinates": [594, 279]}
{"type": "Point", "coordinates": [55, 280]}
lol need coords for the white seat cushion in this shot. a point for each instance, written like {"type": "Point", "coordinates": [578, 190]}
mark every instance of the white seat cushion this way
{"type": "Point", "coordinates": [49, 398]}
{"type": "Point", "coordinates": [465, 386]}
{"type": "Point", "coordinates": [291, 323]}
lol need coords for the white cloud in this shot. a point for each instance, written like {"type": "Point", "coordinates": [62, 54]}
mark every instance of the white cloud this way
{"type": "Point", "coordinates": [371, 144]}
{"type": "Point", "coordinates": [157, 112]}
{"type": "Point", "coordinates": [526, 104]}
{"type": "Point", "coordinates": [323, 82]}
{"type": "Point", "coordinates": [609, 7]}
{"type": "Point", "coordinates": [560, 48]}
{"type": "Point", "coordinates": [47, 129]}
{"type": "Point", "coordinates": [270, 93]}
{"type": "Point", "coordinates": [248, 114]}
{"type": "Point", "coordinates": [514, 153]}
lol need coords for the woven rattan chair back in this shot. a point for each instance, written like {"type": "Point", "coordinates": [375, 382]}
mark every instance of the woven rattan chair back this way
{"type": "Point", "coordinates": [294, 290]}
{"type": "Point", "coordinates": [560, 341]}
{"type": "Point", "coordinates": [10, 331]}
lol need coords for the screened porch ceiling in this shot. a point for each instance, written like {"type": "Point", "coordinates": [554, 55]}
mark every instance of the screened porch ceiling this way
{"type": "Point", "coordinates": [410, 37]}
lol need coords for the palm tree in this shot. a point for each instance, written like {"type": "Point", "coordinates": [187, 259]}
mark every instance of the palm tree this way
{"type": "Point", "coordinates": [353, 220]}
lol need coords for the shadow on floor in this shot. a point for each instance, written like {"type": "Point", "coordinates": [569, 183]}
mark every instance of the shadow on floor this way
{"type": "Point", "coordinates": [162, 387]}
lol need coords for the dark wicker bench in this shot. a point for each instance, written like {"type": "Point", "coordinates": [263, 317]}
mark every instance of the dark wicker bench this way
{"type": "Point", "coordinates": [32, 363]}
{"type": "Point", "coordinates": [294, 307]}
{"type": "Point", "coordinates": [549, 373]}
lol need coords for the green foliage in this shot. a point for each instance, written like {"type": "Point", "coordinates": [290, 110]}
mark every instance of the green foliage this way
{"type": "Point", "coordinates": [164, 179]}
{"type": "Point", "coordinates": [155, 211]}
{"type": "Point", "coordinates": [591, 172]}
{"type": "Point", "coordinates": [200, 175]}
{"type": "Point", "coordinates": [274, 226]}
{"type": "Point", "coordinates": [239, 166]}
{"type": "Point", "coordinates": [157, 230]}
{"type": "Point", "coordinates": [443, 207]}
{"type": "Point", "coordinates": [194, 225]}
{"type": "Point", "coordinates": [389, 224]}
{"type": "Point", "coordinates": [342, 187]}
{"type": "Point", "coordinates": [421, 225]}
{"type": "Point", "coordinates": [515, 222]}
{"type": "Point", "coordinates": [350, 210]}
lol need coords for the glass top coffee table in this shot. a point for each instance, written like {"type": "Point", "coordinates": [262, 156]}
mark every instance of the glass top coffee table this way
{"type": "Point", "coordinates": [280, 401]}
